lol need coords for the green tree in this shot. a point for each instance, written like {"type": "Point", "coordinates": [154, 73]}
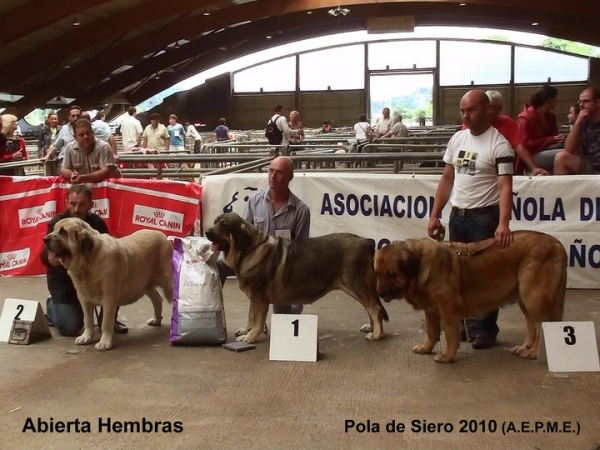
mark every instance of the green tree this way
{"type": "Point", "coordinates": [497, 37]}
{"type": "Point", "coordinates": [571, 47]}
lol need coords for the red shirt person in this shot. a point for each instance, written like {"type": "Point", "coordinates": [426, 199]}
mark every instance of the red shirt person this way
{"type": "Point", "coordinates": [12, 148]}
{"type": "Point", "coordinates": [509, 129]}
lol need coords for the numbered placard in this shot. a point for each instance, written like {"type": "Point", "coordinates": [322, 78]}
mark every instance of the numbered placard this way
{"type": "Point", "coordinates": [569, 347]}
{"type": "Point", "coordinates": [20, 312]}
{"type": "Point", "coordinates": [293, 337]}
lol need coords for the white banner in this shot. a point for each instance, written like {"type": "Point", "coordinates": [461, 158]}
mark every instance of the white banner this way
{"type": "Point", "coordinates": [387, 207]}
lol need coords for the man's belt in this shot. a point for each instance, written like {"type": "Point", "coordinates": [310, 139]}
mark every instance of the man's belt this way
{"type": "Point", "coordinates": [473, 212]}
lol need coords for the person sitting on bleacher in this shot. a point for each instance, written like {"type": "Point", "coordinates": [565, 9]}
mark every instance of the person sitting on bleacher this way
{"type": "Point", "coordinates": [398, 128]}
{"type": "Point", "coordinates": [383, 124]}
{"type": "Point", "coordinates": [539, 130]}
{"type": "Point", "coordinates": [582, 146]}
{"type": "Point", "coordinates": [508, 128]}
{"type": "Point", "coordinates": [12, 147]}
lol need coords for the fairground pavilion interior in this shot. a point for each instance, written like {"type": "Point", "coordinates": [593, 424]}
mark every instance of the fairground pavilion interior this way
{"type": "Point", "coordinates": [107, 55]}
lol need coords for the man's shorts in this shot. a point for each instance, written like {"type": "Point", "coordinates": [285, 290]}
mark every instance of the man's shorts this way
{"type": "Point", "coordinates": [585, 168]}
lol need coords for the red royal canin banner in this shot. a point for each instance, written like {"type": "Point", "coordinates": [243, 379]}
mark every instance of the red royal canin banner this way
{"type": "Point", "coordinates": [27, 204]}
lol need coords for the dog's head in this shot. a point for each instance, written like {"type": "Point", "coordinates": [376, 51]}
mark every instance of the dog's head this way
{"type": "Point", "coordinates": [230, 231]}
{"type": "Point", "coordinates": [71, 239]}
{"type": "Point", "coordinates": [396, 266]}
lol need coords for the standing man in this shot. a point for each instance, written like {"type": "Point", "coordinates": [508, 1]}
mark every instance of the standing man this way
{"type": "Point", "coordinates": [222, 131]}
{"type": "Point", "coordinates": [176, 135]}
{"type": "Point", "coordinates": [88, 159]}
{"type": "Point", "coordinates": [191, 132]}
{"type": "Point", "coordinates": [102, 131]}
{"type": "Point", "coordinates": [131, 129]}
{"type": "Point", "coordinates": [156, 135]}
{"type": "Point", "coordinates": [278, 212]}
{"type": "Point", "coordinates": [65, 136]}
{"type": "Point", "coordinates": [478, 174]}
{"type": "Point", "coordinates": [63, 308]}
{"type": "Point", "coordinates": [582, 146]}
{"type": "Point", "coordinates": [281, 128]}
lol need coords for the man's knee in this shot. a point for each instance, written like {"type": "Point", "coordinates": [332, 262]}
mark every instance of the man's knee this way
{"type": "Point", "coordinates": [68, 325]}
{"type": "Point", "coordinates": [565, 163]}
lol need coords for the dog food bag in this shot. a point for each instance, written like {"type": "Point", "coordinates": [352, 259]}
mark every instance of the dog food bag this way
{"type": "Point", "coordinates": [198, 314]}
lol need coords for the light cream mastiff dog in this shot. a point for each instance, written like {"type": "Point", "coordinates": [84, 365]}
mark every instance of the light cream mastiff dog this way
{"type": "Point", "coordinates": [112, 272]}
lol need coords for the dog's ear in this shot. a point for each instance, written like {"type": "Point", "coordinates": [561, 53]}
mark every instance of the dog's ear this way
{"type": "Point", "coordinates": [409, 263]}
{"type": "Point", "coordinates": [86, 241]}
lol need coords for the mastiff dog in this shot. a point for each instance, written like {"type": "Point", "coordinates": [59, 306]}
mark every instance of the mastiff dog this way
{"type": "Point", "coordinates": [450, 281]}
{"type": "Point", "coordinates": [280, 271]}
{"type": "Point", "coordinates": [112, 272]}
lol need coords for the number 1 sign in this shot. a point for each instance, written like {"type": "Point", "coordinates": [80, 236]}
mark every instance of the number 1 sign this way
{"type": "Point", "coordinates": [569, 347]}
{"type": "Point", "coordinates": [293, 337]}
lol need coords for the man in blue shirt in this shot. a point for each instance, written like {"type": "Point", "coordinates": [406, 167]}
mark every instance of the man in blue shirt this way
{"type": "Point", "coordinates": [176, 135]}
{"type": "Point", "coordinates": [278, 212]}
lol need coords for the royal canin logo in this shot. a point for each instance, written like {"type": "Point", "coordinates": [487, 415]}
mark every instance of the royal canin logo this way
{"type": "Point", "coordinates": [14, 259]}
{"type": "Point", "coordinates": [30, 217]}
{"type": "Point", "coordinates": [101, 207]}
{"type": "Point", "coordinates": [160, 219]}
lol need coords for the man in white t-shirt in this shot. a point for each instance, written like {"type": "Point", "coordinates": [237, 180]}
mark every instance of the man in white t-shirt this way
{"type": "Point", "coordinates": [131, 129]}
{"type": "Point", "coordinates": [478, 174]}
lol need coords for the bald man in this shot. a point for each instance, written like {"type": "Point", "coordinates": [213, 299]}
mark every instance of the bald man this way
{"type": "Point", "coordinates": [478, 174]}
{"type": "Point", "coordinates": [278, 212]}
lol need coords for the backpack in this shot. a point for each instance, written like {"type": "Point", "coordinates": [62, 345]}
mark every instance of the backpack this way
{"type": "Point", "coordinates": [273, 133]}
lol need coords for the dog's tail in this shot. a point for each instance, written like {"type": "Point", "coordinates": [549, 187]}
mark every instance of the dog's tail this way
{"type": "Point", "coordinates": [385, 314]}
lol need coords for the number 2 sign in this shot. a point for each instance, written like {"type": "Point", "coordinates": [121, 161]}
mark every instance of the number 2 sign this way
{"type": "Point", "coordinates": [23, 311]}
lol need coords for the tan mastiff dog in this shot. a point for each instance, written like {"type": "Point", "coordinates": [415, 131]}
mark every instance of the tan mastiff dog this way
{"type": "Point", "coordinates": [111, 272]}
{"type": "Point", "coordinates": [450, 281]}
{"type": "Point", "coordinates": [280, 271]}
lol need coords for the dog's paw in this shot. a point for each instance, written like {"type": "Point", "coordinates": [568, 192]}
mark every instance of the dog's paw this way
{"type": "Point", "coordinates": [518, 350]}
{"type": "Point", "coordinates": [373, 337]}
{"type": "Point", "coordinates": [104, 345]}
{"type": "Point", "coordinates": [84, 339]}
{"type": "Point", "coordinates": [422, 349]}
{"type": "Point", "coordinates": [366, 328]}
{"type": "Point", "coordinates": [246, 339]}
{"type": "Point", "coordinates": [529, 354]}
{"type": "Point", "coordinates": [443, 358]}
{"type": "Point", "coordinates": [154, 322]}
{"type": "Point", "coordinates": [241, 332]}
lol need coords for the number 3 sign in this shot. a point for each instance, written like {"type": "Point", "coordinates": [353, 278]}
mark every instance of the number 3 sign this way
{"type": "Point", "coordinates": [293, 337]}
{"type": "Point", "coordinates": [569, 347]}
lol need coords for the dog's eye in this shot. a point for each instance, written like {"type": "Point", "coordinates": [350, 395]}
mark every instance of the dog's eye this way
{"type": "Point", "coordinates": [62, 232]}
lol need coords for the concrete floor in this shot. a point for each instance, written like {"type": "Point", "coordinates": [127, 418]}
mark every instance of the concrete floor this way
{"type": "Point", "coordinates": [228, 400]}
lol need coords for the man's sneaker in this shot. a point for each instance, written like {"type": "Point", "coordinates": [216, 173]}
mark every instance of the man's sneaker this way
{"type": "Point", "coordinates": [483, 341]}
{"type": "Point", "coordinates": [49, 320]}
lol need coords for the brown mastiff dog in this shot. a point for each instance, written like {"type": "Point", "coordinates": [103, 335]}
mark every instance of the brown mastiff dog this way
{"type": "Point", "coordinates": [281, 271]}
{"type": "Point", "coordinates": [111, 272]}
{"type": "Point", "coordinates": [450, 281]}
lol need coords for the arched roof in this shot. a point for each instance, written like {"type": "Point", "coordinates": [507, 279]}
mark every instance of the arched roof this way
{"type": "Point", "coordinates": [128, 50]}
